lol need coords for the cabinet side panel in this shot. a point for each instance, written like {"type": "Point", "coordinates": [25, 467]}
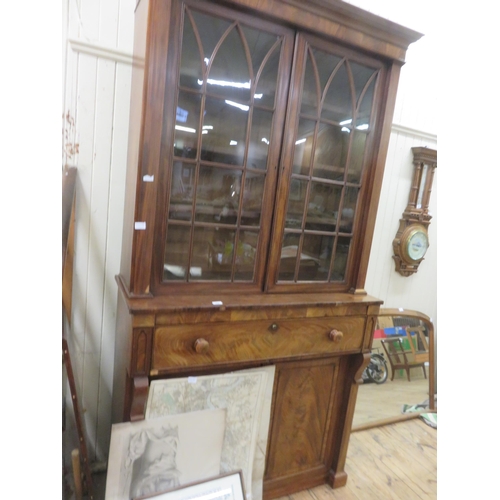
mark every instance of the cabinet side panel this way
{"type": "Point", "coordinates": [385, 120]}
{"type": "Point", "coordinates": [135, 126]}
{"type": "Point", "coordinates": [122, 357]}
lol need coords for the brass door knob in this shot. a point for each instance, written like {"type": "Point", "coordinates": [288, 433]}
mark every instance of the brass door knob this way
{"type": "Point", "coordinates": [201, 346]}
{"type": "Point", "coordinates": [336, 336]}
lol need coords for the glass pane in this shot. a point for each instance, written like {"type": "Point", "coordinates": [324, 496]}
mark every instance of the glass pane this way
{"type": "Point", "coordinates": [224, 132]}
{"type": "Point", "coordinates": [309, 104]}
{"type": "Point", "coordinates": [337, 105]}
{"type": "Point", "coordinates": [229, 74]}
{"type": "Point", "coordinates": [340, 262]}
{"type": "Point", "coordinates": [252, 199]}
{"type": "Point", "coordinates": [177, 253]}
{"type": "Point", "coordinates": [349, 209]}
{"type": "Point", "coordinates": [365, 108]}
{"type": "Point", "coordinates": [187, 123]}
{"type": "Point", "coordinates": [361, 74]}
{"type": "Point", "coordinates": [326, 64]}
{"type": "Point", "coordinates": [266, 85]}
{"type": "Point", "coordinates": [245, 255]}
{"type": "Point", "coordinates": [296, 202]}
{"type": "Point", "coordinates": [315, 257]}
{"type": "Point", "coordinates": [191, 73]}
{"type": "Point", "coordinates": [220, 256]}
{"type": "Point", "coordinates": [357, 155]}
{"type": "Point", "coordinates": [288, 256]}
{"type": "Point", "coordinates": [260, 137]}
{"type": "Point", "coordinates": [210, 29]}
{"type": "Point", "coordinates": [322, 210]}
{"type": "Point", "coordinates": [218, 195]}
{"type": "Point", "coordinates": [181, 192]}
{"type": "Point", "coordinates": [331, 152]}
{"type": "Point", "coordinates": [303, 147]}
{"type": "Point", "coordinates": [259, 43]}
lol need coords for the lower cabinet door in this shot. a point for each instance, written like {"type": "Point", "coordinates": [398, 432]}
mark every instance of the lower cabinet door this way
{"type": "Point", "coordinates": [299, 451]}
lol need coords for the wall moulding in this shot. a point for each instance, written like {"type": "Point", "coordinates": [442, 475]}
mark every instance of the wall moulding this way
{"type": "Point", "coordinates": [403, 129]}
{"type": "Point", "coordinates": [96, 50]}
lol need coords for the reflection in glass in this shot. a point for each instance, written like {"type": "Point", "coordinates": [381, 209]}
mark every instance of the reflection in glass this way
{"type": "Point", "coordinates": [246, 250]}
{"type": "Point", "coordinates": [181, 191]}
{"type": "Point", "coordinates": [303, 147]}
{"type": "Point", "coordinates": [218, 195]}
{"type": "Point", "coordinates": [259, 44]}
{"type": "Point", "coordinates": [177, 253]}
{"type": "Point", "coordinates": [357, 155]}
{"type": "Point", "coordinates": [288, 258]}
{"type": "Point", "coordinates": [309, 104]}
{"type": "Point", "coordinates": [337, 105]}
{"type": "Point", "coordinates": [211, 29]}
{"type": "Point", "coordinates": [220, 251]}
{"type": "Point", "coordinates": [266, 85]}
{"type": "Point", "coordinates": [315, 257]}
{"type": "Point", "coordinates": [349, 209]}
{"type": "Point", "coordinates": [340, 261]}
{"type": "Point", "coordinates": [323, 206]}
{"type": "Point", "coordinates": [260, 137]}
{"type": "Point", "coordinates": [229, 74]}
{"type": "Point", "coordinates": [253, 197]}
{"type": "Point", "coordinates": [225, 124]}
{"type": "Point", "coordinates": [296, 202]}
{"type": "Point", "coordinates": [326, 64]}
{"type": "Point", "coordinates": [187, 123]}
{"type": "Point", "coordinates": [191, 61]}
{"type": "Point", "coordinates": [365, 108]}
{"type": "Point", "coordinates": [331, 152]}
{"type": "Point", "coordinates": [361, 74]}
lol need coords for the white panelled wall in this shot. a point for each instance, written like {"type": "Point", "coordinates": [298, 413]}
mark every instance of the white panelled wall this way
{"type": "Point", "coordinates": [98, 36]}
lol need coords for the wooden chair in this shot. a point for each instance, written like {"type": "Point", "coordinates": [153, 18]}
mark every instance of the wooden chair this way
{"type": "Point", "coordinates": [420, 351]}
{"type": "Point", "coordinates": [397, 356]}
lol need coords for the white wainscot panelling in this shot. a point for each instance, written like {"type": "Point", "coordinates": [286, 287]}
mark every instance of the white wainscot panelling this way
{"type": "Point", "coordinates": [96, 103]}
{"type": "Point", "coordinates": [419, 290]}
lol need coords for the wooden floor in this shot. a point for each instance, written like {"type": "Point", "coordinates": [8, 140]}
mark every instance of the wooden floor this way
{"type": "Point", "coordinates": [397, 462]}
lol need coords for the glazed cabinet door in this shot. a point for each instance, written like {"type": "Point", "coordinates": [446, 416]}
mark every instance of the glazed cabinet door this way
{"type": "Point", "coordinates": [223, 126]}
{"type": "Point", "coordinates": [324, 171]}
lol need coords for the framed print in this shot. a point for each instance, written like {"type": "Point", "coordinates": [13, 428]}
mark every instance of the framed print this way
{"type": "Point", "coordinates": [151, 456]}
{"type": "Point", "coordinates": [224, 487]}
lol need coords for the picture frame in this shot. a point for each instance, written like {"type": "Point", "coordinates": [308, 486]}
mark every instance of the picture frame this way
{"type": "Point", "coordinates": [227, 486]}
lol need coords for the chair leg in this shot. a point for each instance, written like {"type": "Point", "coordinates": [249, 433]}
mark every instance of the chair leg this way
{"type": "Point", "coordinates": [408, 374]}
{"type": "Point", "coordinates": [423, 368]}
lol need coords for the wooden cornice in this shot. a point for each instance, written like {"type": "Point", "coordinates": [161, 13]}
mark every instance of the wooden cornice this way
{"type": "Point", "coordinates": [335, 18]}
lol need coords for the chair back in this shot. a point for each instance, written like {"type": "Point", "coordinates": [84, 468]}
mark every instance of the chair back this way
{"type": "Point", "coordinates": [420, 351]}
{"type": "Point", "coordinates": [395, 351]}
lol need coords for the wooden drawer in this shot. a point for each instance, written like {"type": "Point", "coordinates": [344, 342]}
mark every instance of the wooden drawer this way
{"type": "Point", "coordinates": [174, 346]}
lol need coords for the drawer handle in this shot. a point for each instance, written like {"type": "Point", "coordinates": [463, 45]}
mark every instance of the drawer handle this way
{"type": "Point", "coordinates": [201, 346]}
{"type": "Point", "coordinates": [274, 327]}
{"type": "Point", "coordinates": [336, 336]}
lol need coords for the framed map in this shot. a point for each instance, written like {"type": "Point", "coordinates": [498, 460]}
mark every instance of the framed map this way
{"type": "Point", "coordinates": [246, 395]}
